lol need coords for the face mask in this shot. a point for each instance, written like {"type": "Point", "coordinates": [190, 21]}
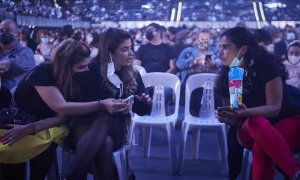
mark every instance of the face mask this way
{"type": "Point", "coordinates": [44, 40]}
{"type": "Point", "coordinates": [149, 36]}
{"type": "Point", "coordinates": [110, 69]}
{"type": "Point", "coordinates": [89, 38]}
{"type": "Point", "coordinates": [113, 78]}
{"type": "Point", "coordinates": [277, 40]}
{"type": "Point", "coordinates": [6, 38]}
{"type": "Point", "coordinates": [235, 62]}
{"type": "Point", "coordinates": [81, 77]}
{"type": "Point", "coordinates": [290, 36]}
{"type": "Point", "coordinates": [188, 41]}
{"type": "Point", "coordinates": [294, 59]}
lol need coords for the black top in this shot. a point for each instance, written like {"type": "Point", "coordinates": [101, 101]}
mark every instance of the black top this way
{"type": "Point", "coordinates": [98, 91]}
{"type": "Point", "coordinates": [27, 97]}
{"type": "Point", "coordinates": [90, 89]}
{"type": "Point", "coordinates": [256, 75]}
{"type": "Point", "coordinates": [155, 58]}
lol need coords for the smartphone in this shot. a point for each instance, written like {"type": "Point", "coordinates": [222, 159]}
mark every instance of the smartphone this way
{"type": "Point", "coordinates": [129, 99]}
{"type": "Point", "coordinates": [224, 108]}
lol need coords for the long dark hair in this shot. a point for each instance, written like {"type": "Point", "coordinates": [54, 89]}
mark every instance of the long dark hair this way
{"type": "Point", "coordinates": [109, 42]}
{"type": "Point", "coordinates": [240, 36]}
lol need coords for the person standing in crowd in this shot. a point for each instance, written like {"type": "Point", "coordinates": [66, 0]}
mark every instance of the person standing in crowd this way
{"type": "Point", "coordinates": [155, 56]}
{"type": "Point", "coordinates": [26, 40]}
{"type": "Point", "coordinates": [280, 46]}
{"type": "Point", "coordinates": [170, 35]}
{"type": "Point", "coordinates": [292, 64]}
{"type": "Point", "coordinates": [67, 32]}
{"type": "Point", "coordinates": [200, 54]}
{"type": "Point", "coordinates": [182, 41]}
{"type": "Point", "coordinates": [95, 141]}
{"type": "Point", "coordinates": [264, 39]}
{"type": "Point", "coordinates": [15, 60]}
{"type": "Point", "coordinates": [267, 121]}
{"type": "Point", "coordinates": [94, 45]}
{"type": "Point", "coordinates": [45, 47]}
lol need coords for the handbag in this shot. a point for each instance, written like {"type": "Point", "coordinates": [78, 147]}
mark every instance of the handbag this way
{"type": "Point", "coordinates": [14, 115]}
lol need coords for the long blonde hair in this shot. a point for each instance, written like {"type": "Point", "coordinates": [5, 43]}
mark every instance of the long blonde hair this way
{"type": "Point", "coordinates": [109, 42]}
{"type": "Point", "coordinates": [68, 53]}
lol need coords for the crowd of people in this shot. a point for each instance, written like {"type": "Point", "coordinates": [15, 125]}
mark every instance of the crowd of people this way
{"type": "Point", "coordinates": [139, 10]}
{"type": "Point", "coordinates": [78, 93]}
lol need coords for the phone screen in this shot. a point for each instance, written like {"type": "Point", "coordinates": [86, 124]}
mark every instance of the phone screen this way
{"type": "Point", "coordinates": [130, 98]}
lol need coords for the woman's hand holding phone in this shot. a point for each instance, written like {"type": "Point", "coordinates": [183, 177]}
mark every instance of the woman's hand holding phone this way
{"type": "Point", "coordinates": [230, 116]}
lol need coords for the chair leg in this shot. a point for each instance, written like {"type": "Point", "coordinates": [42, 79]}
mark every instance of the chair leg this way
{"type": "Point", "coordinates": [27, 170]}
{"type": "Point", "coordinates": [120, 162]}
{"type": "Point", "coordinates": [131, 131]}
{"type": "Point", "coordinates": [53, 173]}
{"type": "Point", "coordinates": [246, 166]}
{"type": "Point", "coordinates": [172, 147]}
{"type": "Point", "coordinates": [147, 132]}
{"type": "Point", "coordinates": [185, 129]}
{"type": "Point", "coordinates": [135, 137]}
{"type": "Point", "coordinates": [223, 139]}
{"type": "Point", "coordinates": [196, 143]}
{"type": "Point", "coordinates": [68, 157]}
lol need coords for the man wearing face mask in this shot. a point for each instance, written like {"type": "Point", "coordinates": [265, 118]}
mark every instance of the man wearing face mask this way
{"type": "Point", "coordinates": [155, 56]}
{"type": "Point", "coordinates": [15, 60]}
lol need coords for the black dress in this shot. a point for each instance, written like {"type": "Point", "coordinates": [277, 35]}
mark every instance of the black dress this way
{"type": "Point", "coordinates": [92, 89]}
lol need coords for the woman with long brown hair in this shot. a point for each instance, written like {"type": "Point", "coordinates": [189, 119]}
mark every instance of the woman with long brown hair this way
{"type": "Point", "coordinates": [114, 77]}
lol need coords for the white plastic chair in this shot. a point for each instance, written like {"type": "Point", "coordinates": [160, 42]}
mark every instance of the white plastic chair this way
{"type": "Point", "coordinates": [119, 157]}
{"type": "Point", "coordinates": [140, 69]}
{"type": "Point", "coordinates": [206, 119]}
{"type": "Point", "coordinates": [158, 116]}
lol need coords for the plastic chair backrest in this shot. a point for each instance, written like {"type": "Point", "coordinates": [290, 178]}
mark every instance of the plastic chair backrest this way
{"type": "Point", "coordinates": [163, 79]}
{"type": "Point", "coordinates": [205, 80]}
{"type": "Point", "coordinates": [207, 108]}
{"type": "Point", "coordinates": [140, 69]}
{"type": "Point", "coordinates": [158, 101]}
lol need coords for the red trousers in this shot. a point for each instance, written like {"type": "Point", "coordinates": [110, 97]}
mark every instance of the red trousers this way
{"type": "Point", "coordinates": [271, 144]}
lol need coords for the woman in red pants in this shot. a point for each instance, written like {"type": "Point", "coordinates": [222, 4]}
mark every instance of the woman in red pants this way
{"type": "Point", "coordinates": [268, 121]}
